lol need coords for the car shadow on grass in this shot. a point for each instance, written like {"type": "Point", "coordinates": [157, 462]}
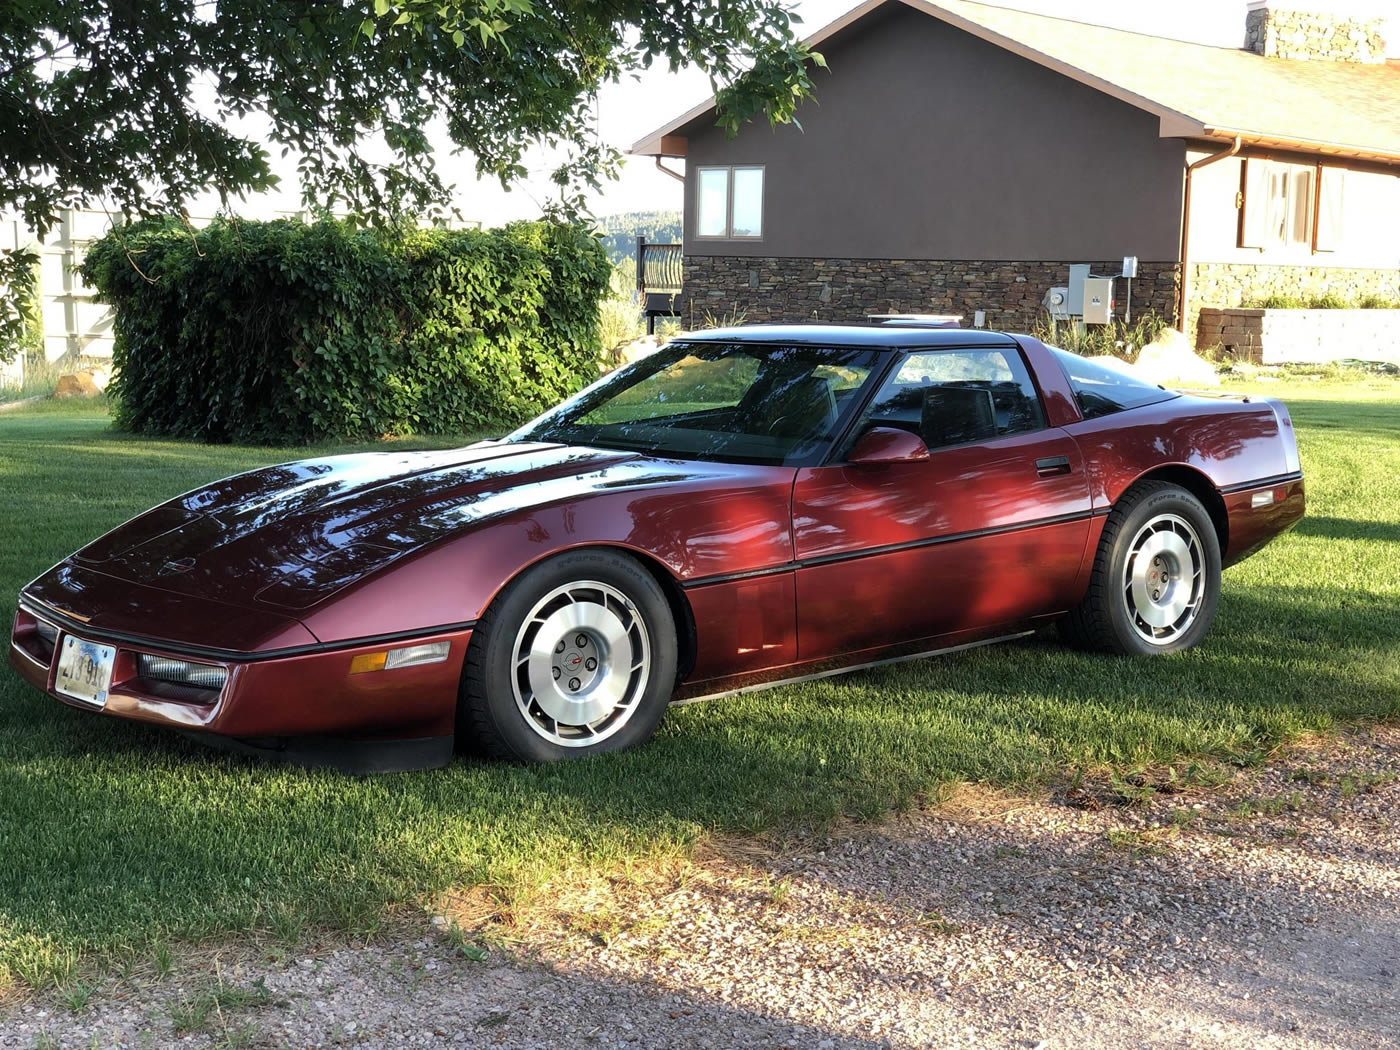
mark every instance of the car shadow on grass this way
{"type": "Point", "coordinates": [113, 833]}
{"type": "Point", "coordinates": [1348, 529]}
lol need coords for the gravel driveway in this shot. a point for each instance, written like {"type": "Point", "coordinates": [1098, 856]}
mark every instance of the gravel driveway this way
{"type": "Point", "coordinates": [1261, 912]}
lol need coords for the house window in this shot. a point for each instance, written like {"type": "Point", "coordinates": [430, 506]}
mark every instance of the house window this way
{"type": "Point", "coordinates": [729, 202]}
{"type": "Point", "coordinates": [1278, 204]}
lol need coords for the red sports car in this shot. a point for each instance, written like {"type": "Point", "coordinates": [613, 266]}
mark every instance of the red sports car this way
{"type": "Point", "coordinates": [741, 508]}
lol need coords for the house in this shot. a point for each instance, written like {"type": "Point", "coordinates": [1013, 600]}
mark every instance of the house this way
{"type": "Point", "coordinates": [960, 156]}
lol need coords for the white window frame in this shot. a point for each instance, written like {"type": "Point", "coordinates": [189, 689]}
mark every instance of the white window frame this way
{"type": "Point", "coordinates": [1272, 215]}
{"type": "Point", "coordinates": [729, 234]}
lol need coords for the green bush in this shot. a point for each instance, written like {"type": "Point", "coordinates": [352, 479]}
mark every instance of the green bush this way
{"type": "Point", "coordinates": [1094, 340]}
{"type": "Point", "coordinates": [1275, 301]}
{"type": "Point", "coordinates": [1329, 301]}
{"type": "Point", "coordinates": [1378, 301]}
{"type": "Point", "coordinates": [620, 314]}
{"type": "Point", "coordinates": [21, 311]}
{"type": "Point", "coordinates": [283, 331]}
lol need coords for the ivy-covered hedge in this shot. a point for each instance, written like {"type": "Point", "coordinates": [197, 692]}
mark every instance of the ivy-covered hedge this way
{"type": "Point", "coordinates": [283, 331]}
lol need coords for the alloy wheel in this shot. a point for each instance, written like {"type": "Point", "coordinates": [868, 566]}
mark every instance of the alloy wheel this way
{"type": "Point", "coordinates": [1164, 579]}
{"type": "Point", "coordinates": [582, 661]}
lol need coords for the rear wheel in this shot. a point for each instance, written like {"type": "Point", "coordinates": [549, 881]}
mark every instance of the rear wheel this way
{"type": "Point", "coordinates": [1156, 576]}
{"type": "Point", "coordinates": [574, 657]}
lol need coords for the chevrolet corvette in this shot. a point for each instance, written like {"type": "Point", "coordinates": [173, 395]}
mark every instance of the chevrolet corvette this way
{"type": "Point", "coordinates": [742, 508]}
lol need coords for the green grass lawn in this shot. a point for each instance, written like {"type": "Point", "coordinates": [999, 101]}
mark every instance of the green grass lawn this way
{"type": "Point", "coordinates": [117, 837]}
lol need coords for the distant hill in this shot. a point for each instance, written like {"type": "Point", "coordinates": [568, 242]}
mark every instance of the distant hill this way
{"type": "Point", "coordinates": [620, 232]}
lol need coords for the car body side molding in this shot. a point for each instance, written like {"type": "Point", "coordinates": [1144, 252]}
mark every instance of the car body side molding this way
{"type": "Point", "coordinates": [834, 671]}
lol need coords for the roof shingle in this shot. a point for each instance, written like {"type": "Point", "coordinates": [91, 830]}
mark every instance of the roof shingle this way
{"type": "Point", "coordinates": [1347, 107]}
{"type": "Point", "coordinates": [1198, 91]}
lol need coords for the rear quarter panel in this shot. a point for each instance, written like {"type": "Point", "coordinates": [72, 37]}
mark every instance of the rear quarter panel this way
{"type": "Point", "coordinates": [1240, 446]}
{"type": "Point", "coordinates": [1232, 442]}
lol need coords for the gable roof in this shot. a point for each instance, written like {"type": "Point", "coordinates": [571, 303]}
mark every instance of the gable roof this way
{"type": "Point", "coordinates": [1345, 109]}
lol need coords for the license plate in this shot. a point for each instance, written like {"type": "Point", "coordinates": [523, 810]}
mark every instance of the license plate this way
{"type": "Point", "coordinates": [85, 670]}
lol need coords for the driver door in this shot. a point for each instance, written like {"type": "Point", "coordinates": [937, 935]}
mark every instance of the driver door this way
{"type": "Point", "coordinates": [990, 529]}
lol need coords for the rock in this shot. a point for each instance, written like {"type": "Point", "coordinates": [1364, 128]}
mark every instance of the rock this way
{"type": "Point", "coordinates": [1170, 361]}
{"type": "Point", "coordinates": [88, 383]}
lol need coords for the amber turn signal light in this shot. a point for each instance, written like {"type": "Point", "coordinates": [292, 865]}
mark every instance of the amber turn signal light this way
{"type": "Point", "coordinates": [368, 662]}
{"type": "Point", "coordinates": [408, 656]}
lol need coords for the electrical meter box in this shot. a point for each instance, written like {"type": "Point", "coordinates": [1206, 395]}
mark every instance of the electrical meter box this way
{"type": "Point", "coordinates": [1098, 300]}
{"type": "Point", "coordinates": [1056, 301]}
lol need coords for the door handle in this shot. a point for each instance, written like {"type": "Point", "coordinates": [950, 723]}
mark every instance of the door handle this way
{"type": "Point", "coordinates": [1051, 466]}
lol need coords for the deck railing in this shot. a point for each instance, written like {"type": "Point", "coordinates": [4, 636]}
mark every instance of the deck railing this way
{"type": "Point", "coordinates": [659, 267]}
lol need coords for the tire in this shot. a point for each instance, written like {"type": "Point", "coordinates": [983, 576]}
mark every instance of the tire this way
{"type": "Point", "coordinates": [576, 656]}
{"type": "Point", "coordinates": [1130, 607]}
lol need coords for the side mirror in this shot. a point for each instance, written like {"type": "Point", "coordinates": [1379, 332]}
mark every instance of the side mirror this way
{"type": "Point", "coordinates": [887, 445]}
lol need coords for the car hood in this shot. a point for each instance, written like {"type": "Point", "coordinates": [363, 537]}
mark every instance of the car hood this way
{"type": "Point", "coordinates": [292, 535]}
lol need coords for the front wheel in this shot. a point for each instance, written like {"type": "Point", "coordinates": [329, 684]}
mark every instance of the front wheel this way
{"type": "Point", "coordinates": [1156, 576]}
{"type": "Point", "coordinates": [575, 656]}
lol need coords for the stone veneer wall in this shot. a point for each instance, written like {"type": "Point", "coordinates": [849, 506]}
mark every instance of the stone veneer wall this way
{"type": "Point", "coordinates": [1272, 337]}
{"type": "Point", "coordinates": [1231, 284]}
{"type": "Point", "coordinates": [724, 288]}
{"type": "Point", "coordinates": [1288, 33]}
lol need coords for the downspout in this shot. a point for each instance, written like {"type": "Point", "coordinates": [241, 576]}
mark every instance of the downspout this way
{"type": "Point", "coordinates": [674, 174]}
{"type": "Point", "coordinates": [1183, 293]}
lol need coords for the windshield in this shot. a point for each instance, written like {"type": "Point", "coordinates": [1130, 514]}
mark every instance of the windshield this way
{"type": "Point", "coordinates": [750, 403]}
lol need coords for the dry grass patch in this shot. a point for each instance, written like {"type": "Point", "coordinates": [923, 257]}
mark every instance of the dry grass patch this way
{"type": "Point", "coordinates": [659, 907]}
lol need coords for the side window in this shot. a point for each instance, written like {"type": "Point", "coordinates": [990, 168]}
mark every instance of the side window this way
{"type": "Point", "coordinates": [1102, 390]}
{"type": "Point", "coordinates": [952, 397]}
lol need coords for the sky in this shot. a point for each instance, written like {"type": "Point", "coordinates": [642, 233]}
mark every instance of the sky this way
{"type": "Point", "coordinates": [630, 109]}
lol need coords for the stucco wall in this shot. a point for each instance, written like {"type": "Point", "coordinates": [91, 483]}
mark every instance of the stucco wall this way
{"type": "Point", "coordinates": [725, 288]}
{"type": "Point", "coordinates": [928, 143]}
{"type": "Point", "coordinates": [1370, 218]}
{"type": "Point", "coordinates": [1274, 337]}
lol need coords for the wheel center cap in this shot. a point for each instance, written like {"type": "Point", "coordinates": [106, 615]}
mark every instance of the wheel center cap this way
{"type": "Point", "coordinates": [573, 660]}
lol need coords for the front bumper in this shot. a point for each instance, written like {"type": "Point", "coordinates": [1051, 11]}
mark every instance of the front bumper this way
{"type": "Point", "coordinates": [272, 702]}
